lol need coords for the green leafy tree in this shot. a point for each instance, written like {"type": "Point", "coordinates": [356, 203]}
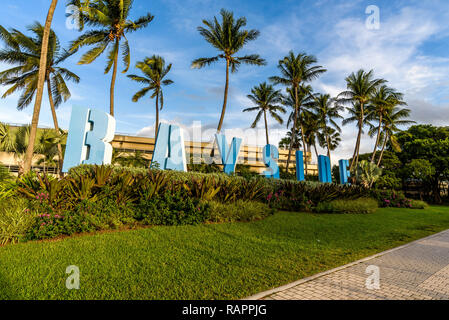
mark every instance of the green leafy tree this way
{"type": "Point", "coordinates": [110, 22]}
{"type": "Point", "coordinates": [430, 143]}
{"type": "Point", "coordinates": [361, 87]}
{"type": "Point", "coordinates": [267, 100]}
{"type": "Point", "coordinates": [154, 70]}
{"type": "Point", "coordinates": [24, 53]}
{"type": "Point", "coordinates": [228, 38]}
{"type": "Point", "coordinates": [296, 70]}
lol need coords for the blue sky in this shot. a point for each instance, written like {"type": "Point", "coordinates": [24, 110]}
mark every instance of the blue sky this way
{"type": "Point", "coordinates": [410, 50]}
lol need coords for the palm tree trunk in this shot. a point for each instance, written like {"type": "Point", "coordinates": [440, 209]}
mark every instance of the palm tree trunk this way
{"type": "Point", "coordinates": [355, 158]}
{"type": "Point", "coordinates": [266, 126]}
{"type": "Point", "coordinates": [377, 139]}
{"type": "Point", "coordinates": [114, 76]}
{"type": "Point", "coordinates": [304, 143]}
{"type": "Point", "coordinates": [157, 115]}
{"type": "Point", "coordinates": [223, 110]}
{"type": "Point", "coordinates": [316, 151]}
{"type": "Point", "coordinates": [362, 117]}
{"type": "Point", "coordinates": [383, 148]}
{"type": "Point", "coordinates": [328, 146]}
{"type": "Point", "coordinates": [40, 87]}
{"type": "Point", "coordinates": [292, 140]}
{"type": "Point", "coordinates": [55, 121]}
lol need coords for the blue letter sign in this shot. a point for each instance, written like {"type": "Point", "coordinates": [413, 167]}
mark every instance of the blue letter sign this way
{"type": "Point", "coordinates": [270, 155]}
{"type": "Point", "coordinates": [299, 166]}
{"type": "Point", "coordinates": [228, 156]}
{"type": "Point", "coordinates": [88, 140]}
{"type": "Point", "coordinates": [324, 169]}
{"type": "Point", "coordinates": [169, 150]}
{"type": "Point", "coordinates": [344, 171]}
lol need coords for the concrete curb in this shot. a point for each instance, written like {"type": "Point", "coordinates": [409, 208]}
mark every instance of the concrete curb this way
{"type": "Point", "coordinates": [261, 295]}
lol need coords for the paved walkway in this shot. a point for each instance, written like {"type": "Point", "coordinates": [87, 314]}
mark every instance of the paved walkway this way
{"type": "Point", "coordinates": [419, 270]}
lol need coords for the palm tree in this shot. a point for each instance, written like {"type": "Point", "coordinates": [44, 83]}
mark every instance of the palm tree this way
{"type": "Point", "coordinates": [327, 111]}
{"type": "Point", "coordinates": [395, 118]}
{"type": "Point", "coordinates": [286, 141]}
{"type": "Point", "coordinates": [311, 130]}
{"type": "Point", "coordinates": [361, 87]}
{"type": "Point", "coordinates": [330, 139]}
{"type": "Point", "coordinates": [17, 141]}
{"type": "Point", "coordinates": [303, 101]}
{"type": "Point", "coordinates": [40, 86]}
{"type": "Point", "coordinates": [154, 71]}
{"type": "Point", "coordinates": [111, 18]}
{"type": "Point", "coordinates": [295, 70]}
{"type": "Point", "coordinates": [383, 100]}
{"type": "Point", "coordinates": [24, 53]}
{"type": "Point", "coordinates": [355, 115]}
{"type": "Point", "coordinates": [228, 38]}
{"type": "Point", "coordinates": [266, 100]}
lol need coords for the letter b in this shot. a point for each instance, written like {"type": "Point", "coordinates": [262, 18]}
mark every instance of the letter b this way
{"type": "Point", "coordinates": [88, 141]}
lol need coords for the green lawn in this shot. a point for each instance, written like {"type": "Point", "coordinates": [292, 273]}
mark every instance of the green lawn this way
{"type": "Point", "coordinates": [225, 261]}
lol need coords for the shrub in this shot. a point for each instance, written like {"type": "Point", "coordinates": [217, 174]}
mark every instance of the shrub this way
{"type": "Point", "coordinates": [418, 204]}
{"type": "Point", "coordinates": [358, 206]}
{"type": "Point", "coordinates": [240, 210]}
{"type": "Point", "coordinates": [172, 210]}
{"type": "Point", "coordinates": [86, 216]}
{"type": "Point", "coordinates": [4, 174]}
{"type": "Point", "coordinates": [15, 220]}
{"type": "Point", "coordinates": [392, 199]}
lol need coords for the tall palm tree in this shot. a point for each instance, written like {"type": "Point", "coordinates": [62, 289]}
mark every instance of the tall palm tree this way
{"type": "Point", "coordinates": [228, 38]}
{"type": "Point", "coordinates": [395, 118]}
{"type": "Point", "coordinates": [355, 116]}
{"type": "Point", "coordinates": [112, 23]}
{"type": "Point", "coordinates": [267, 100]}
{"type": "Point", "coordinates": [327, 111]}
{"type": "Point", "coordinates": [384, 99]}
{"type": "Point", "coordinates": [295, 70]}
{"type": "Point", "coordinates": [302, 101]}
{"type": "Point", "coordinates": [361, 87]}
{"type": "Point", "coordinates": [24, 53]}
{"type": "Point", "coordinates": [40, 86]}
{"type": "Point", "coordinates": [154, 71]}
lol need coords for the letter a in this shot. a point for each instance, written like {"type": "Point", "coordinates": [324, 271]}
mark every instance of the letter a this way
{"type": "Point", "coordinates": [169, 149]}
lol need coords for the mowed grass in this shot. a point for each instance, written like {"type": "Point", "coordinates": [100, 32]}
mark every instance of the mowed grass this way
{"type": "Point", "coordinates": [227, 261]}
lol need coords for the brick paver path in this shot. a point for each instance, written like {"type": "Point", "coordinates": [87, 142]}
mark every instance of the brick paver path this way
{"type": "Point", "coordinates": [419, 270]}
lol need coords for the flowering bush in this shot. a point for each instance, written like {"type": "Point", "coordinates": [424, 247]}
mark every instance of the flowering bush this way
{"type": "Point", "coordinates": [281, 200]}
{"type": "Point", "coordinates": [392, 199]}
